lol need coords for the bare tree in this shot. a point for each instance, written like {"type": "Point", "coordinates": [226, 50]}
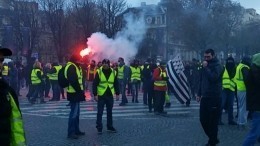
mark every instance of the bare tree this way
{"type": "Point", "coordinates": [85, 14]}
{"type": "Point", "coordinates": [56, 19]}
{"type": "Point", "coordinates": [108, 10]}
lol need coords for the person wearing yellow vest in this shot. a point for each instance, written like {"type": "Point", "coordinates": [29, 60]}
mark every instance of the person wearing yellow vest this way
{"type": "Point", "coordinates": [91, 72]}
{"type": "Point", "coordinates": [105, 86]}
{"type": "Point", "coordinates": [11, 130]}
{"type": "Point", "coordinates": [75, 94]}
{"type": "Point", "coordinates": [122, 77]}
{"type": "Point", "coordinates": [160, 87]}
{"type": "Point", "coordinates": [135, 77]}
{"type": "Point", "coordinates": [228, 90]}
{"type": "Point", "coordinates": [240, 78]}
{"type": "Point", "coordinates": [37, 81]}
{"type": "Point", "coordinates": [53, 77]}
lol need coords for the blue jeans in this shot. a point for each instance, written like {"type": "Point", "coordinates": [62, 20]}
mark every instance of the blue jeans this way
{"type": "Point", "coordinates": [254, 133]}
{"type": "Point", "coordinates": [135, 91]}
{"type": "Point", "coordinates": [227, 99]}
{"type": "Point", "coordinates": [242, 112]}
{"type": "Point", "coordinates": [122, 87]}
{"type": "Point", "coordinates": [109, 102]}
{"type": "Point", "coordinates": [55, 90]}
{"type": "Point", "coordinates": [73, 126]}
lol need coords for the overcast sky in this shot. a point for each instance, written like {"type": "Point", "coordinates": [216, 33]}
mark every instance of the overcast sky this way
{"type": "Point", "coordinates": [245, 3]}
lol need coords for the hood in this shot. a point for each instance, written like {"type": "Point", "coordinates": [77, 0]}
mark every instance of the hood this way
{"type": "Point", "coordinates": [256, 59]}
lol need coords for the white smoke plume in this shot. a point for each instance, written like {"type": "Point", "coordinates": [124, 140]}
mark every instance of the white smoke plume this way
{"type": "Point", "coordinates": [125, 44]}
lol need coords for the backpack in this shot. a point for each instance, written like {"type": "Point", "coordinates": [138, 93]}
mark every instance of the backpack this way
{"type": "Point", "coordinates": [62, 80]}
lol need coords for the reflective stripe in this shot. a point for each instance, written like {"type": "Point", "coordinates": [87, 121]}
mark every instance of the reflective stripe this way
{"type": "Point", "coordinates": [104, 83]}
{"type": "Point", "coordinates": [70, 89]}
{"type": "Point", "coordinates": [5, 70]}
{"type": "Point", "coordinates": [239, 77]}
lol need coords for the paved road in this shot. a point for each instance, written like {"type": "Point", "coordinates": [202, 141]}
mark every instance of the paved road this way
{"type": "Point", "coordinates": [46, 124]}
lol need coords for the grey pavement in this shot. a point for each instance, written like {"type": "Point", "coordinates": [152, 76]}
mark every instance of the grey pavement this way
{"type": "Point", "coordinates": [46, 125]}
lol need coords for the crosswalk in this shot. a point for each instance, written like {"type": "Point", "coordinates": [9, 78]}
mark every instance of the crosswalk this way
{"type": "Point", "coordinates": [88, 109]}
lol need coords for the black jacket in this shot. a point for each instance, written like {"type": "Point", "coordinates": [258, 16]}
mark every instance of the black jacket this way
{"type": "Point", "coordinates": [210, 84]}
{"type": "Point", "coordinates": [253, 89]}
{"type": "Point", "coordinates": [5, 112]}
{"type": "Point", "coordinates": [73, 81]}
{"type": "Point", "coordinates": [108, 91]}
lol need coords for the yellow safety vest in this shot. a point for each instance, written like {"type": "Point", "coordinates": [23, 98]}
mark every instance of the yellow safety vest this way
{"type": "Point", "coordinates": [5, 70]}
{"type": "Point", "coordinates": [161, 82]}
{"type": "Point", "coordinates": [17, 130]}
{"type": "Point", "coordinates": [54, 76]}
{"type": "Point", "coordinates": [91, 71]}
{"type": "Point", "coordinates": [70, 89]}
{"type": "Point", "coordinates": [239, 79]}
{"type": "Point", "coordinates": [121, 72]}
{"type": "Point", "coordinates": [228, 83]}
{"type": "Point", "coordinates": [104, 83]}
{"type": "Point", "coordinates": [34, 77]}
{"type": "Point", "coordinates": [136, 73]}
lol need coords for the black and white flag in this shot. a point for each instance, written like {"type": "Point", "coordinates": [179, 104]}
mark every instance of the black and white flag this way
{"type": "Point", "coordinates": [178, 80]}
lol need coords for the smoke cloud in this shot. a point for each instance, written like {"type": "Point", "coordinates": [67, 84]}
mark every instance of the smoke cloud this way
{"type": "Point", "coordinates": [125, 43]}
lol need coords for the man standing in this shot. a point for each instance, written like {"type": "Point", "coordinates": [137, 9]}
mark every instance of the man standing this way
{"type": "Point", "coordinates": [75, 94]}
{"type": "Point", "coordinates": [105, 85]}
{"type": "Point", "coordinates": [228, 91]}
{"type": "Point", "coordinates": [91, 72]}
{"type": "Point", "coordinates": [122, 77]}
{"type": "Point", "coordinates": [135, 75]}
{"type": "Point", "coordinates": [240, 79]}
{"type": "Point", "coordinates": [253, 100]}
{"type": "Point", "coordinates": [11, 129]}
{"type": "Point", "coordinates": [53, 77]}
{"type": "Point", "coordinates": [160, 88]}
{"type": "Point", "coordinates": [209, 95]}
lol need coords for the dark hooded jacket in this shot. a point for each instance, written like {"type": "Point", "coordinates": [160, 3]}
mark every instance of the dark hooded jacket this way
{"type": "Point", "coordinates": [253, 89]}
{"type": "Point", "coordinates": [210, 84]}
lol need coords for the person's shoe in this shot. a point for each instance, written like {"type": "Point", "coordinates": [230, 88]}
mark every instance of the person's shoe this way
{"type": "Point", "coordinates": [136, 101]}
{"type": "Point", "coordinates": [80, 133]}
{"type": "Point", "coordinates": [232, 123]}
{"type": "Point", "coordinates": [122, 104]}
{"type": "Point", "coordinates": [111, 129]}
{"type": "Point", "coordinates": [156, 113]}
{"type": "Point", "coordinates": [220, 123]}
{"type": "Point", "coordinates": [99, 130]}
{"type": "Point", "coordinates": [133, 101]}
{"type": "Point", "coordinates": [73, 136]}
